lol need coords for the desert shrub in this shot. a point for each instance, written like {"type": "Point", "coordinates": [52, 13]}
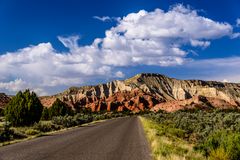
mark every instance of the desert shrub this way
{"type": "Point", "coordinates": [5, 132]}
{"type": "Point", "coordinates": [59, 108]}
{"type": "Point", "coordinates": [99, 117]}
{"type": "Point", "coordinates": [218, 154]}
{"type": "Point", "coordinates": [23, 109]}
{"type": "Point", "coordinates": [65, 121]}
{"type": "Point", "coordinates": [31, 132]}
{"type": "Point", "coordinates": [199, 124]}
{"type": "Point", "coordinates": [221, 143]}
{"type": "Point", "coordinates": [96, 117]}
{"type": "Point", "coordinates": [216, 132]}
{"type": "Point", "coordinates": [45, 127]}
{"type": "Point", "coordinates": [109, 115]}
{"type": "Point", "coordinates": [69, 121]}
{"type": "Point", "coordinates": [176, 132]}
{"type": "Point", "coordinates": [83, 118]}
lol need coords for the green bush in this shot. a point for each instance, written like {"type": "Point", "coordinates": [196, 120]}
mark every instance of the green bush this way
{"type": "Point", "coordinates": [59, 108]}
{"type": "Point", "coordinates": [23, 109]}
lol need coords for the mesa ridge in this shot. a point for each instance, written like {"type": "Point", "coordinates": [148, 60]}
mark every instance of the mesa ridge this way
{"type": "Point", "coordinates": [152, 92]}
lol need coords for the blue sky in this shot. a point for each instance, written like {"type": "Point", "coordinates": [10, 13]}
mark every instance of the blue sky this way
{"type": "Point", "coordinates": [50, 45]}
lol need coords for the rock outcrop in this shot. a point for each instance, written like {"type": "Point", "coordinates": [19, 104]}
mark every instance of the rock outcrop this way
{"type": "Point", "coordinates": [4, 99]}
{"type": "Point", "coordinates": [150, 91]}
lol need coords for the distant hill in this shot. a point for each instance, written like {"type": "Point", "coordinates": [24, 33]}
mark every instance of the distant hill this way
{"type": "Point", "coordinates": [4, 99]}
{"type": "Point", "coordinates": [151, 91]}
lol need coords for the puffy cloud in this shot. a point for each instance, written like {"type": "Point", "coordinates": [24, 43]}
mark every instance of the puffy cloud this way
{"type": "Point", "coordinates": [157, 37]}
{"type": "Point", "coordinates": [14, 86]}
{"type": "Point", "coordinates": [175, 23]}
{"type": "Point", "coordinates": [43, 69]}
{"type": "Point", "coordinates": [142, 38]}
{"type": "Point", "coordinates": [119, 74]}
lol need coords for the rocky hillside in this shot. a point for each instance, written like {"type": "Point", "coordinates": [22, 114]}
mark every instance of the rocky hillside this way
{"type": "Point", "coordinates": [150, 91]}
{"type": "Point", "coordinates": [4, 99]}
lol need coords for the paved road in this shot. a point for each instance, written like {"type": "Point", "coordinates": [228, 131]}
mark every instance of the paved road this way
{"type": "Point", "coordinates": [117, 139]}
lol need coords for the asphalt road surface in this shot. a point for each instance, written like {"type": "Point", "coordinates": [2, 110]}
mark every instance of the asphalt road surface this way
{"type": "Point", "coordinates": [116, 139]}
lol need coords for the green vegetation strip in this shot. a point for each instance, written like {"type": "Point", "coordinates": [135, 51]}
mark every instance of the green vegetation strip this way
{"type": "Point", "coordinates": [166, 145]}
{"type": "Point", "coordinates": [32, 133]}
{"type": "Point", "coordinates": [213, 133]}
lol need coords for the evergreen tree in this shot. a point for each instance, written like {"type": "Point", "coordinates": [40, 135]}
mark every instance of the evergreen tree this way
{"type": "Point", "coordinates": [24, 109]}
{"type": "Point", "coordinates": [45, 114]}
{"type": "Point", "coordinates": [59, 108]}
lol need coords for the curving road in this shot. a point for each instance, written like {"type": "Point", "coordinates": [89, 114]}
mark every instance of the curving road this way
{"type": "Point", "coordinates": [116, 139]}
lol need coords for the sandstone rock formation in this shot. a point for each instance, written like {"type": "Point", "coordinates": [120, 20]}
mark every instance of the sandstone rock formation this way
{"type": "Point", "coordinates": [47, 101]}
{"type": "Point", "coordinates": [150, 91]}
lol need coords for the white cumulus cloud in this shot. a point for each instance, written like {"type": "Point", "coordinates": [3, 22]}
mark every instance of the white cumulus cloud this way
{"type": "Point", "coordinates": [157, 37]}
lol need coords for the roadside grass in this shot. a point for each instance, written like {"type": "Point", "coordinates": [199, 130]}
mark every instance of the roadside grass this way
{"type": "Point", "coordinates": [167, 143]}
